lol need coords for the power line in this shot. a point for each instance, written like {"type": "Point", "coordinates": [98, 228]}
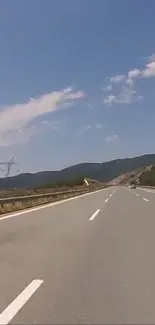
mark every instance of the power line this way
{"type": "Point", "coordinates": [8, 165]}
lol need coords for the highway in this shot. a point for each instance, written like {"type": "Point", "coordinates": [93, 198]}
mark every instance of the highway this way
{"type": "Point", "coordinates": [87, 260]}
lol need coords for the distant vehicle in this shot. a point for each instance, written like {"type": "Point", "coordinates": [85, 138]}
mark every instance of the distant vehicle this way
{"type": "Point", "coordinates": [133, 185]}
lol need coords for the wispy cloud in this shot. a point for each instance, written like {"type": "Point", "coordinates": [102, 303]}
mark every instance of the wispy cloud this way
{"type": "Point", "coordinates": [23, 135]}
{"type": "Point", "coordinates": [117, 78]}
{"type": "Point", "coordinates": [20, 116]}
{"type": "Point", "coordinates": [111, 138]}
{"type": "Point", "coordinates": [87, 128]}
{"type": "Point", "coordinates": [127, 94]}
{"type": "Point", "coordinates": [90, 105]}
{"type": "Point", "coordinates": [129, 82]}
{"type": "Point", "coordinates": [151, 58]}
{"type": "Point", "coordinates": [109, 100]}
{"type": "Point", "coordinates": [107, 88]}
{"type": "Point", "coordinates": [99, 126]}
{"type": "Point", "coordinates": [51, 125]}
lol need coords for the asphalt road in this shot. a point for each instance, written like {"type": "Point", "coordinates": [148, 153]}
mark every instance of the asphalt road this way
{"type": "Point", "coordinates": [87, 260]}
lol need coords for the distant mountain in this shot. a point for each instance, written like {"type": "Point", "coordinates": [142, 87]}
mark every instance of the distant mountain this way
{"type": "Point", "coordinates": [98, 171]}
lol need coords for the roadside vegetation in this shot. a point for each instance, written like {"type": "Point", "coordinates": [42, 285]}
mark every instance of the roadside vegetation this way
{"type": "Point", "coordinates": [148, 178]}
{"type": "Point", "coordinates": [44, 188]}
{"type": "Point", "coordinates": [71, 183]}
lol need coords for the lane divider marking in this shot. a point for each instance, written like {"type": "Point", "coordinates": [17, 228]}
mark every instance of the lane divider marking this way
{"type": "Point", "coordinates": [97, 211]}
{"type": "Point", "coordinates": [94, 215]}
{"type": "Point", "coordinates": [10, 312]}
{"type": "Point", "coordinates": [145, 199]}
{"type": "Point", "coordinates": [48, 205]}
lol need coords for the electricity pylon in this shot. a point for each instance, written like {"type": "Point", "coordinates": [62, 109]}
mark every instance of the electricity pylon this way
{"type": "Point", "coordinates": [7, 166]}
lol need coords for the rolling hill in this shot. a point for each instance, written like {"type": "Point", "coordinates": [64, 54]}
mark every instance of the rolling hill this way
{"type": "Point", "coordinates": [134, 176]}
{"type": "Point", "coordinates": [104, 172]}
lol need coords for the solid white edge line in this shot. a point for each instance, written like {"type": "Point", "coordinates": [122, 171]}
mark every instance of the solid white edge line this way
{"type": "Point", "coordinates": [146, 190]}
{"type": "Point", "coordinates": [145, 199]}
{"type": "Point", "coordinates": [49, 205]}
{"type": "Point", "coordinates": [94, 215]}
{"type": "Point", "coordinates": [10, 312]}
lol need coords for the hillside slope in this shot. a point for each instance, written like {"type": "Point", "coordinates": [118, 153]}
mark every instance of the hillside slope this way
{"type": "Point", "coordinates": [147, 178]}
{"type": "Point", "coordinates": [132, 177]}
{"type": "Point", "coordinates": [99, 171]}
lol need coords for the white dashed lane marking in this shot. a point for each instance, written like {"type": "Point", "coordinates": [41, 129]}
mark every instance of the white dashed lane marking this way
{"type": "Point", "coordinates": [98, 211]}
{"type": "Point", "coordinates": [11, 311]}
{"type": "Point", "coordinates": [94, 215]}
{"type": "Point", "coordinates": [145, 199]}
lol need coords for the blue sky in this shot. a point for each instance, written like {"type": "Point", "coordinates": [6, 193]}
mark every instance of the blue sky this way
{"type": "Point", "coordinates": [77, 81]}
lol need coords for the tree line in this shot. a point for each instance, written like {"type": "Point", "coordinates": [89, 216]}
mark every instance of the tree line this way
{"type": "Point", "coordinates": [69, 183]}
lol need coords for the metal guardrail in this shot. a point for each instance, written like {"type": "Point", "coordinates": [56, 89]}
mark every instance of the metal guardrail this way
{"type": "Point", "coordinates": [35, 196]}
{"type": "Point", "coordinates": [149, 187]}
{"type": "Point", "coordinates": [21, 202]}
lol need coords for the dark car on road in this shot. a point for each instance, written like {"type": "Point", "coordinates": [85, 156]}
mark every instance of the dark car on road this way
{"type": "Point", "coordinates": [133, 185]}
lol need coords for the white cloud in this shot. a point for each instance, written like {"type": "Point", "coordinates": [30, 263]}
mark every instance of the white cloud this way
{"type": "Point", "coordinates": [112, 137]}
{"type": "Point", "coordinates": [130, 82]}
{"type": "Point", "coordinates": [20, 116]}
{"type": "Point", "coordinates": [126, 96]}
{"type": "Point", "coordinates": [109, 100]}
{"type": "Point", "coordinates": [134, 73]}
{"type": "Point", "coordinates": [149, 70]}
{"type": "Point", "coordinates": [117, 78]}
{"type": "Point", "coordinates": [127, 93]}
